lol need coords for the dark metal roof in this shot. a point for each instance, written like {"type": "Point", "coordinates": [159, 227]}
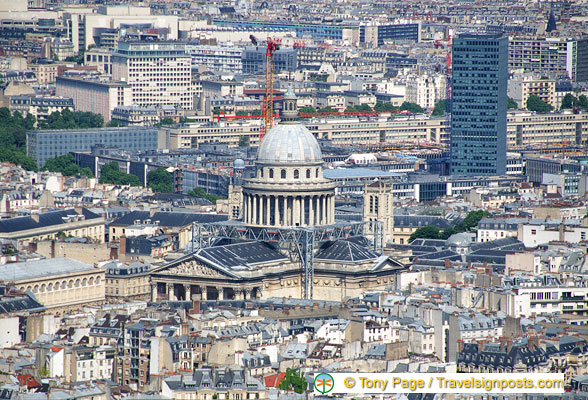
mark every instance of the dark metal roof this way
{"type": "Point", "coordinates": [20, 303]}
{"type": "Point", "coordinates": [344, 250]}
{"type": "Point", "coordinates": [168, 218]}
{"type": "Point", "coordinates": [51, 218]}
{"type": "Point", "coordinates": [247, 253]}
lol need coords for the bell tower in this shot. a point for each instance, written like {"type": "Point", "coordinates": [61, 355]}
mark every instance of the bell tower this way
{"type": "Point", "coordinates": [378, 205]}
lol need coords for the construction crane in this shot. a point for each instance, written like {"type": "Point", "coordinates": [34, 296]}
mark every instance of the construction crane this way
{"type": "Point", "coordinates": [273, 44]}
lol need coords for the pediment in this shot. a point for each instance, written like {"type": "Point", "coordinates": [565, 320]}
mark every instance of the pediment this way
{"type": "Point", "coordinates": [192, 268]}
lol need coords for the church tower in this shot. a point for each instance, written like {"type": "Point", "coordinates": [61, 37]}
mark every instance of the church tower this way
{"type": "Point", "coordinates": [378, 205]}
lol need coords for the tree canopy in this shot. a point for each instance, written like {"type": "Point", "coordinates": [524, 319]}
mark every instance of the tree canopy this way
{"type": "Point", "coordinates": [294, 380]}
{"type": "Point", "coordinates": [307, 109]}
{"type": "Point", "coordinates": [66, 164]}
{"type": "Point", "coordinates": [413, 108]}
{"type": "Point", "coordinates": [511, 104]}
{"type": "Point", "coordinates": [385, 107]}
{"type": "Point", "coordinates": [534, 103]}
{"type": "Point", "coordinates": [439, 109]}
{"type": "Point", "coordinates": [110, 173]}
{"type": "Point", "coordinates": [199, 192]}
{"type": "Point", "coordinates": [13, 138]}
{"type": "Point", "coordinates": [67, 119]}
{"type": "Point", "coordinates": [161, 181]}
{"type": "Point", "coordinates": [432, 232]}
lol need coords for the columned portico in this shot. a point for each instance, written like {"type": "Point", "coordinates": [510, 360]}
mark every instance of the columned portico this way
{"type": "Point", "coordinates": [289, 210]}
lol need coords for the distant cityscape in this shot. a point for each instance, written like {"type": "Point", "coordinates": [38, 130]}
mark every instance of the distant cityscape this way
{"type": "Point", "coordinates": [224, 199]}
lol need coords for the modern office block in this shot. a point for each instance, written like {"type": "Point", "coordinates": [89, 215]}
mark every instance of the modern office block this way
{"type": "Point", "coordinates": [158, 72]}
{"type": "Point", "coordinates": [44, 144]}
{"type": "Point", "coordinates": [478, 114]}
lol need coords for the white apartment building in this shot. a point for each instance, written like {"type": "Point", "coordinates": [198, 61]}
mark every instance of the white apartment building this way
{"type": "Point", "coordinates": [89, 363]}
{"type": "Point", "coordinates": [222, 58]}
{"type": "Point", "coordinates": [426, 90]}
{"type": "Point", "coordinates": [159, 73]}
{"type": "Point", "coordinates": [551, 300]}
{"type": "Point", "coordinates": [534, 233]}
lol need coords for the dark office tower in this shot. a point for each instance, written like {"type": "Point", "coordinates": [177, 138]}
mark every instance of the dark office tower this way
{"type": "Point", "coordinates": [478, 105]}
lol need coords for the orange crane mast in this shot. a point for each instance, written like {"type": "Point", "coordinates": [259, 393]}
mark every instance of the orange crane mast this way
{"type": "Point", "coordinates": [273, 44]}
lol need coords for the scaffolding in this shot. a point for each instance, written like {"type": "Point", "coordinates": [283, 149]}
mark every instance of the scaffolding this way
{"type": "Point", "coordinates": [303, 240]}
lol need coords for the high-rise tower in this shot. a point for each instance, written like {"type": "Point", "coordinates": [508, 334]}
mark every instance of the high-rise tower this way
{"type": "Point", "coordinates": [478, 105]}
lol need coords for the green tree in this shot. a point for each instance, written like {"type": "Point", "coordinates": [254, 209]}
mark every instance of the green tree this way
{"type": "Point", "coordinates": [13, 129]}
{"type": "Point", "coordinates": [327, 110]}
{"type": "Point", "coordinates": [534, 103]}
{"type": "Point", "coordinates": [511, 104]}
{"type": "Point", "coordinates": [256, 113]}
{"type": "Point", "coordinates": [199, 192]}
{"type": "Point", "coordinates": [241, 113]}
{"type": "Point", "coordinates": [386, 107]}
{"type": "Point", "coordinates": [439, 109]}
{"type": "Point", "coordinates": [165, 122]}
{"type": "Point", "coordinates": [308, 109]}
{"type": "Point", "coordinates": [66, 164]}
{"type": "Point", "coordinates": [161, 181]}
{"type": "Point", "coordinates": [114, 123]}
{"type": "Point", "coordinates": [473, 218]}
{"type": "Point", "coordinates": [425, 232]}
{"type": "Point", "coordinates": [68, 119]}
{"type": "Point", "coordinates": [583, 102]}
{"type": "Point", "coordinates": [569, 101]}
{"type": "Point", "coordinates": [110, 173]}
{"type": "Point", "coordinates": [294, 380]}
{"type": "Point", "coordinates": [447, 232]}
{"type": "Point", "coordinates": [87, 172]}
{"type": "Point", "coordinates": [244, 141]}
{"type": "Point", "coordinates": [413, 108]}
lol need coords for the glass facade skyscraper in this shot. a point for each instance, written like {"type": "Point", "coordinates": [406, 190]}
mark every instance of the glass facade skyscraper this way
{"type": "Point", "coordinates": [478, 105]}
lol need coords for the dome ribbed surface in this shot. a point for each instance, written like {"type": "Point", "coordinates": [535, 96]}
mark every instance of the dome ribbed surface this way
{"type": "Point", "coordinates": [289, 143]}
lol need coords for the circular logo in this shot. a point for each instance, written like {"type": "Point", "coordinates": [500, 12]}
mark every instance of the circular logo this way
{"type": "Point", "coordinates": [324, 383]}
{"type": "Point", "coordinates": [349, 382]}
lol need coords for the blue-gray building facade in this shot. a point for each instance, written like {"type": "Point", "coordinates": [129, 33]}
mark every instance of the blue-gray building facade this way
{"type": "Point", "coordinates": [45, 144]}
{"type": "Point", "coordinates": [478, 105]}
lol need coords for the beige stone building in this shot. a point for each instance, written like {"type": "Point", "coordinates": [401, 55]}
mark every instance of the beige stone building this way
{"type": "Point", "coordinates": [46, 71]}
{"type": "Point", "coordinates": [60, 284]}
{"type": "Point", "coordinates": [76, 222]}
{"type": "Point", "coordinates": [95, 95]}
{"type": "Point", "coordinates": [127, 281]}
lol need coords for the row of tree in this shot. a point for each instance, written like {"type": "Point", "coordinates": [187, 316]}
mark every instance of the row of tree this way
{"type": "Point", "coordinates": [379, 106]}
{"type": "Point", "coordinates": [433, 232]}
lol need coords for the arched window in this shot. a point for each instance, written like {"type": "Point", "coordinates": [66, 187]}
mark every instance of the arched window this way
{"type": "Point", "coordinates": [36, 289]}
{"type": "Point", "coordinates": [77, 283]}
{"type": "Point", "coordinates": [283, 174]}
{"type": "Point", "coordinates": [317, 172]}
{"type": "Point", "coordinates": [70, 284]}
{"type": "Point", "coordinates": [261, 172]}
{"type": "Point", "coordinates": [97, 280]}
{"type": "Point", "coordinates": [49, 287]}
{"type": "Point", "coordinates": [296, 174]}
{"type": "Point", "coordinates": [91, 281]}
{"type": "Point", "coordinates": [84, 282]}
{"type": "Point", "coordinates": [43, 287]}
{"type": "Point", "coordinates": [307, 174]}
{"type": "Point", "coordinates": [63, 284]}
{"type": "Point", "coordinates": [271, 173]}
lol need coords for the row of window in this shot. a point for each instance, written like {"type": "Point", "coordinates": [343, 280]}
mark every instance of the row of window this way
{"type": "Point", "coordinates": [63, 285]}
